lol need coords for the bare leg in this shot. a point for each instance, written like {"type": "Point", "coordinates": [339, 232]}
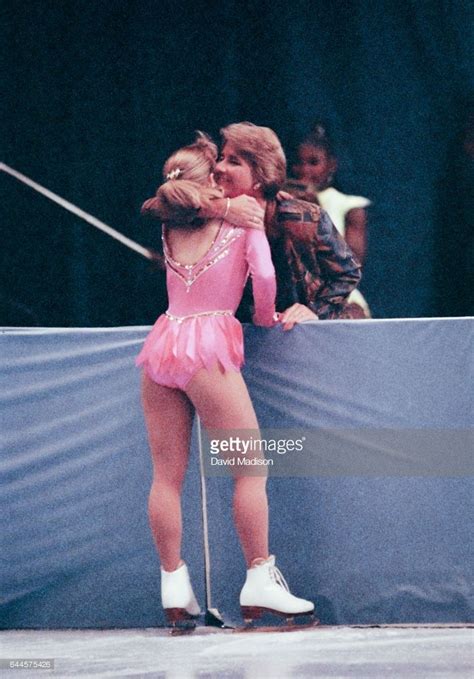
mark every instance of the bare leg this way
{"type": "Point", "coordinates": [168, 415]}
{"type": "Point", "coordinates": [223, 402]}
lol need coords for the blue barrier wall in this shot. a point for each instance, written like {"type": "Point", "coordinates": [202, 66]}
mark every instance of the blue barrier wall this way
{"type": "Point", "coordinates": [75, 471]}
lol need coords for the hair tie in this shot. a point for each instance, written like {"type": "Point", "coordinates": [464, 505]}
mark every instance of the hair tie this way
{"type": "Point", "coordinates": [174, 174]}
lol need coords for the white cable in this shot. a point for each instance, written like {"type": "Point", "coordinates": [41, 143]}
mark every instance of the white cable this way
{"type": "Point", "coordinates": [205, 530]}
{"type": "Point", "coordinates": [80, 213]}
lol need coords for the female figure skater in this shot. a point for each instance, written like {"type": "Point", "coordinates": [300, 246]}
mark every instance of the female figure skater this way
{"type": "Point", "coordinates": [192, 359]}
{"type": "Point", "coordinates": [316, 166]}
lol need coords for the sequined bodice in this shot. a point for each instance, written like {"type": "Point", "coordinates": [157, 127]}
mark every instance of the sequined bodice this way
{"type": "Point", "coordinates": [216, 281]}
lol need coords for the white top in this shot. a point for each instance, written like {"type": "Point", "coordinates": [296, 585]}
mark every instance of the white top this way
{"type": "Point", "coordinates": [338, 204]}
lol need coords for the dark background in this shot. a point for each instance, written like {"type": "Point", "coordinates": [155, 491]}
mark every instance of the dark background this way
{"type": "Point", "coordinates": [97, 94]}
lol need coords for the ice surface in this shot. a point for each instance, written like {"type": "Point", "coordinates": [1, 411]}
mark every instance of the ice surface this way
{"type": "Point", "coordinates": [322, 652]}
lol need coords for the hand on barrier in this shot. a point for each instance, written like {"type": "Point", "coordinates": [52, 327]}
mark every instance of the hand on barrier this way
{"type": "Point", "coordinates": [297, 313]}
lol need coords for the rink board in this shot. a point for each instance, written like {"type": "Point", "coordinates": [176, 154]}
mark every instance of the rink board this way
{"type": "Point", "coordinates": [75, 471]}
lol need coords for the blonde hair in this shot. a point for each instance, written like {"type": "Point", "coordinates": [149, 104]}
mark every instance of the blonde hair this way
{"type": "Point", "coordinates": [262, 149]}
{"type": "Point", "coordinates": [185, 190]}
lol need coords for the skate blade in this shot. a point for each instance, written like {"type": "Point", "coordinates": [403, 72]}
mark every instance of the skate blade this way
{"type": "Point", "coordinates": [179, 630]}
{"type": "Point", "coordinates": [256, 629]}
{"type": "Point", "coordinates": [252, 613]}
{"type": "Point", "coordinates": [180, 621]}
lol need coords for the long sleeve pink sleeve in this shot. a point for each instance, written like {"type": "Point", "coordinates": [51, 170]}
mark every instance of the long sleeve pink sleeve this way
{"type": "Point", "coordinates": [262, 272]}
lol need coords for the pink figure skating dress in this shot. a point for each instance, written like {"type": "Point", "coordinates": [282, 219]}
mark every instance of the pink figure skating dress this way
{"type": "Point", "coordinates": [199, 330]}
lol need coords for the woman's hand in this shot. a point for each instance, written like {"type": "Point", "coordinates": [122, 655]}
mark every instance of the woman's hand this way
{"type": "Point", "coordinates": [244, 211]}
{"type": "Point", "coordinates": [297, 313]}
{"type": "Point", "coordinates": [284, 195]}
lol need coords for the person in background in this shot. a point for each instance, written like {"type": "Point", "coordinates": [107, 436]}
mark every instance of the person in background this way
{"type": "Point", "coordinates": [315, 170]}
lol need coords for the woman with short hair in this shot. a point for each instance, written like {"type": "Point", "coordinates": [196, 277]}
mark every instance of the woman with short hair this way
{"type": "Point", "coordinates": [315, 269]}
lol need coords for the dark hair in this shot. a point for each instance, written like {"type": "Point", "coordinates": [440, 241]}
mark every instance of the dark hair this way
{"type": "Point", "coordinates": [320, 137]}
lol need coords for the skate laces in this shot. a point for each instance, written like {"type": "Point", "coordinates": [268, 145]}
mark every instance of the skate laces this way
{"type": "Point", "coordinates": [277, 577]}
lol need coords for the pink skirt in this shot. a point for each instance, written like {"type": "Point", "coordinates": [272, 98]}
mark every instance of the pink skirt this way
{"type": "Point", "coordinates": [175, 350]}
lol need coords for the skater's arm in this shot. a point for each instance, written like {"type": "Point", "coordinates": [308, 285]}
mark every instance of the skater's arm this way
{"type": "Point", "coordinates": [242, 211]}
{"type": "Point", "coordinates": [262, 272]}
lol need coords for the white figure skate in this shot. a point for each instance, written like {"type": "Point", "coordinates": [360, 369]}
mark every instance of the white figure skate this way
{"type": "Point", "coordinates": [266, 591]}
{"type": "Point", "coordinates": [177, 597]}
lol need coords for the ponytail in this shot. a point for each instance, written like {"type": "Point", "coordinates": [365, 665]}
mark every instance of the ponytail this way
{"type": "Point", "coordinates": [178, 202]}
{"type": "Point", "coordinates": [185, 190]}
